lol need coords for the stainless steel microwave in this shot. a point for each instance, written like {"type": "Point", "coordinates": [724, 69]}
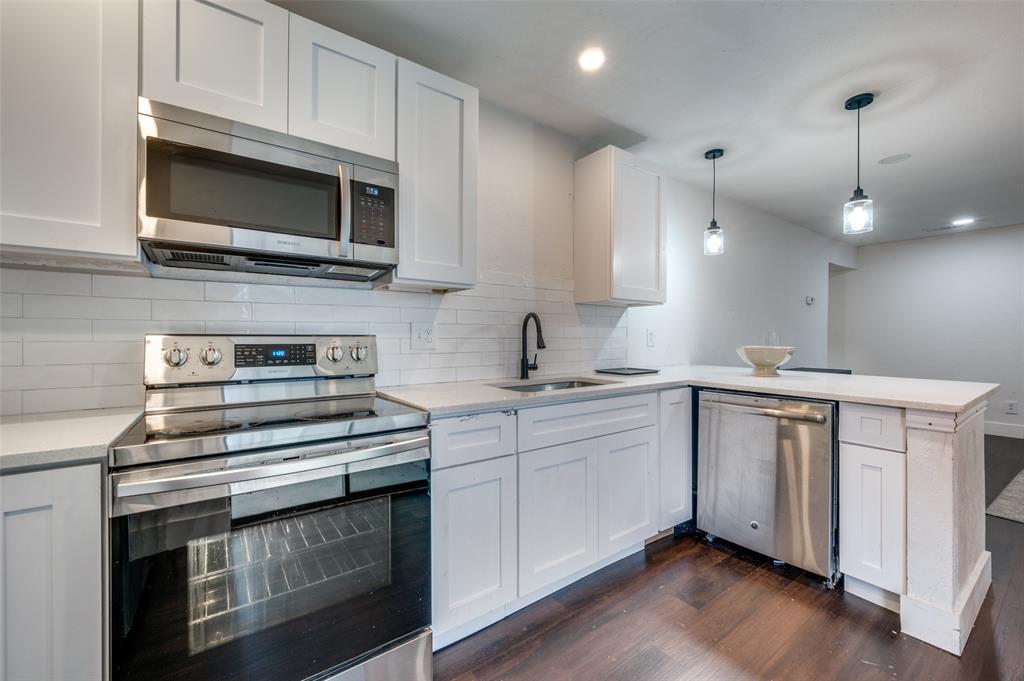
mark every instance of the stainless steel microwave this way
{"type": "Point", "coordinates": [219, 195]}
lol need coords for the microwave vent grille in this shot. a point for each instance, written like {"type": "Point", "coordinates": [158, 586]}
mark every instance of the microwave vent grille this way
{"type": "Point", "coordinates": [193, 257]}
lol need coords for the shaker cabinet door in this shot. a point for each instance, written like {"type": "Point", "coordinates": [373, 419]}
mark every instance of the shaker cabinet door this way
{"type": "Point", "coordinates": [437, 140]}
{"type": "Point", "coordinates": [628, 493]}
{"type": "Point", "coordinates": [558, 513]}
{"type": "Point", "coordinates": [68, 102]}
{"type": "Point", "coordinates": [341, 91]}
{"type": "Point", "coordinates": [638, 231]}
{"type": "Point", "coordinates": [51, 594]}
{"type": "Point", "coordinates": [473, 520]}
{"type": "Point", "coordinates": [227, 58]}
{"type": "Point", "coordinates": [872, 515]}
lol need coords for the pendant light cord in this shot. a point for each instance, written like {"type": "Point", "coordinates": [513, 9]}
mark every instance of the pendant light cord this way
{"type": "Point", "coordinates": [714, 187]}
{"type": "Point", "coordinates": [858, 148]}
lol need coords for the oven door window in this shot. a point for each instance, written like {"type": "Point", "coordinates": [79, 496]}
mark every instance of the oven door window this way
{"type": "Point", "coordinates": [211, 187]}
{"type": "Point", "coordinates": [286, 583]}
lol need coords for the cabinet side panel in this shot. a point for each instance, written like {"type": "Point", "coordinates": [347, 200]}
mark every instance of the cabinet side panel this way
{"type": "Point", "coordinates": [591, 227]}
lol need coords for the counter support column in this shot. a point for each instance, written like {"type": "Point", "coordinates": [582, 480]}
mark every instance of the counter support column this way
{"type": "Point", "coordinates": [948, 569]}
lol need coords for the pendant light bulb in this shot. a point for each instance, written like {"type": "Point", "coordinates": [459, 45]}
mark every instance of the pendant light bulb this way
{"type": "Point", "coordinates": [714, 239]}
{"type": "Point", "coordinates": [858, 212]}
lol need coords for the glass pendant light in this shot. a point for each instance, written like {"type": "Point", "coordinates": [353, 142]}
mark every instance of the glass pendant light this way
{"type": "Point", "coordinates": [858, 212]}
{"type": "Point", "coordinates": [714, 240]}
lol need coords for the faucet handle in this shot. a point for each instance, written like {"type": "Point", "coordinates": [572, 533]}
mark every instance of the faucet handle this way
{"type": "Point", "coordinates": [533, 364]}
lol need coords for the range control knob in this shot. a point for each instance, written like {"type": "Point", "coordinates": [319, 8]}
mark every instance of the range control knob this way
{"type": "Point", "coordinates": [335, 353]}
{"type": "Point", "coordinates": [210, 356]}
{"type": "Point", "coordinates": [358, 352]}
{"type": "Point", "coordinates": [175, 357]}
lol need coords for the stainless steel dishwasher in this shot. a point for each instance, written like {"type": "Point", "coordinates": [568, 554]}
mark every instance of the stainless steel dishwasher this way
{"type": "Point", "coordinates": [766, 476]}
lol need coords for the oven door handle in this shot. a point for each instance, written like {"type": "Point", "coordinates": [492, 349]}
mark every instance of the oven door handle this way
{"type": "Point", "coordinates": [340, 463]}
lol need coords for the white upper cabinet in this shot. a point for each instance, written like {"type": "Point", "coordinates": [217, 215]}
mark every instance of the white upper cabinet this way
{"type": "Point", "coordinates": [227, 58]}
{"type": "Point", "coordinates": [437, 138]}
{"type": "Point", "coordinates": [68, 98]}
{"type": "Point", "coordinates": [619, 242]}
{"type": "Point", "coordinates": [341, 91]}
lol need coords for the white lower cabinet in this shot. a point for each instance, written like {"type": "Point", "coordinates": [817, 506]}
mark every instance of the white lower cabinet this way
{"type": "Point", "coordinates": [473, 523]}
{"type": "Point", "coordinates": [675, 454]}
{"type": "Point", "coordinates": [51, 594]}
{"type": "Point", "coordinates": [627, 489]}
{"type": "Point", "coordinates": [872, 515]}
{"type": "Point", "coordinates": [558, 513]}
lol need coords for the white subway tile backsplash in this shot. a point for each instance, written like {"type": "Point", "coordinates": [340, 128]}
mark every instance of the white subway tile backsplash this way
{"type": "Point", "coordinates": [134, 329]}
{"type": "Point", "coordinates": [255, 293]}
{"type": "Point", "coordinates": [45, 281]}
{"type": "Point", "coordinates": [146, 287]}
{"type": "Point", "coordinates": [10, 402]}
{"type": "Point", "coordinates": [29, 377]}
{"type": "Point", "coordinates": [67, 399]}
{"type": "Point", "coordinates": [44, 353]}
{"type": "Point", "coordinates": [45, 329]}
{"type": "Point", "coordinates": [85, 332]}
{"type": "Point", "coordinates": [10, 354]}
{"type": "Point", "coordinates": [10, 304]}
{"type": "Point", "coordinates": [84, 307]}
{"type": "Point", "coordinates": [215, 311]}
{"type": "Point", "coordinates": [279, 312]}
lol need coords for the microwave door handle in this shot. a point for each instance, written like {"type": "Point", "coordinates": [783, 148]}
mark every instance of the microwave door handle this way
{"type": "Point", "coordinates": [345, 194]}
{"type": "Point", "coordinates": [352, 459]}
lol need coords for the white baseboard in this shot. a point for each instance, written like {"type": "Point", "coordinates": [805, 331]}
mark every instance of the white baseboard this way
{"type": "Point", "coordinates": [944, 627]}
{"type": "Point", "coordinates": [1004, 429]}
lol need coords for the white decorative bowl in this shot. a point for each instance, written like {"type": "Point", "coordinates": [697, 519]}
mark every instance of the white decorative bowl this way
{"type": "Point", "coordinates": [765, 358]}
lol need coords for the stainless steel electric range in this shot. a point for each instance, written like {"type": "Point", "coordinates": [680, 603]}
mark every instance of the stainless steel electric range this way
{"type": "Point", "coordinates": [269, 517]}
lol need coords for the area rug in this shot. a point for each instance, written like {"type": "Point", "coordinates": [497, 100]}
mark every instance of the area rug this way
{"type": "Point", "coordinates": [1010, 502]}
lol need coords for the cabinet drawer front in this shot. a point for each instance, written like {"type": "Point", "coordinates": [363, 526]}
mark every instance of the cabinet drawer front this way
{"type": "Point", "coordinates": [872, 516]}
{"type": "Point", "coordinates": [873, 426]}
{"type": "Point", "coordinates": [472, 438]}
{"type": "Point", "coordinates": [549, 426]}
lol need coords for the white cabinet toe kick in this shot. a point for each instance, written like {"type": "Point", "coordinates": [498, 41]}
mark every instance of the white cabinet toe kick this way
{"type": "Point", "coordinates": [912, 517]}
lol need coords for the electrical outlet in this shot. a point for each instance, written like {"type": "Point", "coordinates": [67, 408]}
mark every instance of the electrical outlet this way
{"type": "Point", "coordinates": [650, 338]}
{"type": "Point", "coordinates": [422, 337]}
{"type": "Point", "coordinates": [1012, 408]}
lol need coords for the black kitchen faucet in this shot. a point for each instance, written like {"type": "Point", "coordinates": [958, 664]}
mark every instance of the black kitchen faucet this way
{"type": "Point", "coordinates": [524, 362]}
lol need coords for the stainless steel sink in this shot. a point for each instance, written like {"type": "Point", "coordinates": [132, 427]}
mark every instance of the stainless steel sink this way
{"type": "Point", "coordinates": [553, 384]}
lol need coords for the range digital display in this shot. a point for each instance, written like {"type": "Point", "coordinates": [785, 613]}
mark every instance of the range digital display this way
{"type": "Point", "coordinates": [295, 354]}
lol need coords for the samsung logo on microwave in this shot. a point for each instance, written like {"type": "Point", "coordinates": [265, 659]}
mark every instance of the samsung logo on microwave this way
{"type": "Point", "coordinates": [285, 242]}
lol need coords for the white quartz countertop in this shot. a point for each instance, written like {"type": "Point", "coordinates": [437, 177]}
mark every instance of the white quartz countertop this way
{"type": "Point", "coordinates": [443, 399]}
{"type": "Point", "coordinates": [61, 438]}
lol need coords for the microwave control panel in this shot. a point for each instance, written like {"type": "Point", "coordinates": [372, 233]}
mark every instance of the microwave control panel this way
{"type": "Point", "coordinates": [373, 214]}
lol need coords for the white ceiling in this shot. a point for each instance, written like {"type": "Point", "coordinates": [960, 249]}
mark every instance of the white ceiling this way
{"type": "Point", "coordinates": [765, 81]}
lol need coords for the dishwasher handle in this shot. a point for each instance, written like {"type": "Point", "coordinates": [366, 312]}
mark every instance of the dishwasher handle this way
{"type": "Point", "coordinates": [775, 413]}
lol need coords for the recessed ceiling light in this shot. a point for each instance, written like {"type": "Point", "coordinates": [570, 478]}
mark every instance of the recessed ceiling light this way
{"type": "Point", "coordinates": [895, 158]}
{"type": "Point", "coordinates": [591, 59]}
{"type": "Point", "coordinates": [960, 222]}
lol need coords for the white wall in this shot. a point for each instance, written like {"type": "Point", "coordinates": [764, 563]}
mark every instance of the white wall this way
{"type": "Point", "coordinates": [758, 286]}
{"type": "Point", "coordinates": [525, 195]}
{"type": "Point", "coordinates": [74, 341]}
{"type": "Point", "coordinates": [944, 307]}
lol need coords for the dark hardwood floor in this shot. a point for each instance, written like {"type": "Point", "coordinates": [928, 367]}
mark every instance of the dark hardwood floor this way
{"type": "Point", "coordinates": [686, 609]}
